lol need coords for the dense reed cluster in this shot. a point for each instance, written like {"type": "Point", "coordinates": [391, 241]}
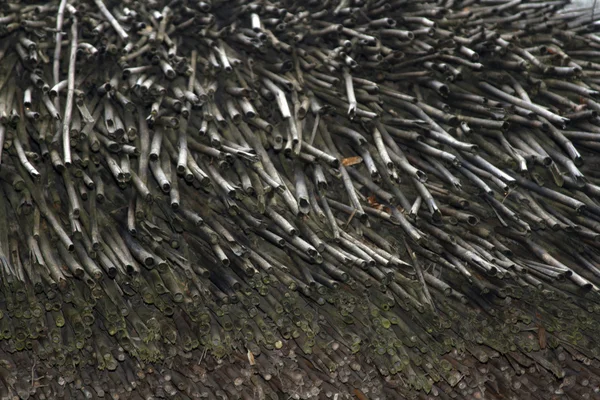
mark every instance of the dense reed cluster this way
{"type": "Point", "coordinates": [371, 199]}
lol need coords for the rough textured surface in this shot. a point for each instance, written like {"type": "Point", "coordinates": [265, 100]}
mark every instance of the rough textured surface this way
{"type": "Point", "coordinates": [311, 199]}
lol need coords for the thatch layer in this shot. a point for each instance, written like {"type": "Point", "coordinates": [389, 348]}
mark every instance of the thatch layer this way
{"type": "Point", "coordinates": [312, 199]}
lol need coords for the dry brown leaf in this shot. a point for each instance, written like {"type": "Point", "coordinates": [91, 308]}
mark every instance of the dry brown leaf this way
{"type": "Point", "coordinates": [349, 161]}
{"type": "Point", "coordinates": [251, 358]}
{"type": "Point", "coordinates": [372, 200]}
